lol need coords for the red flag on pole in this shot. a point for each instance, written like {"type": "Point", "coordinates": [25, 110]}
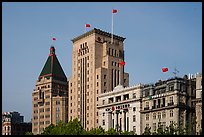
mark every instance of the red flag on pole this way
{"type": "Point", "coordinates": [122, 63]}
{"type": "Point", "coordinates": [54, 39]}
{"type": "Point", "coordinates": [164, 69]}
{"type": "Point", "coordinates": [114, 11]}
{"type": "Point", "coordinates": [88, 25]}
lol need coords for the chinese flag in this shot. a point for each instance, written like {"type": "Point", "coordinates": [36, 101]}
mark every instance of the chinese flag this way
{"type": "Point", "coordinates": [88, 25]}
{"type": "Point", "coordinates": [122, 63]}
{"type": "Point", "coordinates": [54, 39]}
{"type": "Point", "coordinates": [114, 11]}
{"type": "Point", "coordinates": [164, 69]}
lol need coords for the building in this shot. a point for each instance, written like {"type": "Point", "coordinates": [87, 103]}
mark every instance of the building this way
{"type": "Point", "coordinates": [95, 70]}
{"type": "Point", "coordinates": [13, 124]}
{"type": "Point", "coordinates": [198, 104]}
{"type": "Point", "coordinates": [50, 97]}
{"type": "Point", "coordinates": [120, 109]}
{"type": "Point", "coordinates": [168, 101]}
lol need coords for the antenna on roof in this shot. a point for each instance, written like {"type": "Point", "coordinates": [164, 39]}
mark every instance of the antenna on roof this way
{"type": "Point", "coordinates": [175, 71]}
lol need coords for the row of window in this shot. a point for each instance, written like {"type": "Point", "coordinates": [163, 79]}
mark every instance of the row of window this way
{"type": "Point", "coordinates": [159, 115]}
{"type": "Point", "coordinates": [41, 116]}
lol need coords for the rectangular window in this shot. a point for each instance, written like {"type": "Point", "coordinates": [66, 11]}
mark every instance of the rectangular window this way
{"type": "Point", "coordinates": [134, 108]}
{"type": "Point", "coordinates": [103, 122]}
{"type": "Point", "coordinates": [57, 109]}
{"type": "Point", "coordinates": [134, 95]}
{"type": "Point", "coordinates": [154, 115]}
{"type": "Point", "coordinates": [159, 115]}
{"type": "Point", "coordinates": [104, 76]}
{"type": "Point", "coordinates": [171, 113]}
{"type": "Point", "coordinates": [134, 118]}
{"type": "Point", "coordinates": [147, 116]}
{"type": "Point", "coordinates": [47, 122]}
{"type": "Point", "coordinates": [134, 128]}
{"type": "Point", "coordinates": [154, 126]}
{"type": "Point", "coordinates": [47, 109]}
{"type": "Point", "coordinates": [47, 103]}
{"type": "Point", "coordinates": [164, 114]}
{"type": "Point", "coordinates": [103, 102]}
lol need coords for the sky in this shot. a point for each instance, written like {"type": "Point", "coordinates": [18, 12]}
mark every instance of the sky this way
{"type": "Point", "coordinates": [157, 35]}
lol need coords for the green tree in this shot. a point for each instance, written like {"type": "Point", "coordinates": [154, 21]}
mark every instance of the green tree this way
{"type": "Point", "coordinates": [111, 131]}
{"type": "Point", "coordinates": [147, 131]}
{"type": "Point", "coordinates": [96, 131]}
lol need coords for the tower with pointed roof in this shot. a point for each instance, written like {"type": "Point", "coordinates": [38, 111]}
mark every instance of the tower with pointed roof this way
{"type": "Point", "coordinates": [50, 97]}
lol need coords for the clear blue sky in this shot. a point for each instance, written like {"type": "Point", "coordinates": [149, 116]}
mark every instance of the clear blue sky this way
{"type": "Point", "coordinates": [157, 35]}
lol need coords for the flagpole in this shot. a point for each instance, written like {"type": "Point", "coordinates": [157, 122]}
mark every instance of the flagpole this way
{"type": "Point", "coordinates": [112, 31]}
{"type": "Point", "coordinates": [85, 28]}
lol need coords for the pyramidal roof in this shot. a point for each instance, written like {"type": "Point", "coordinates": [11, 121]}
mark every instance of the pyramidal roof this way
{"type": "Point", "coordinates": [52, 67]}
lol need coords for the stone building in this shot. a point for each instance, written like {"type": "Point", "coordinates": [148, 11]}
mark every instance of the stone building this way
{"type": "Point", "coordinates": [198, 104]}
{"type": "Point", "coordinates": [120, 109]}
{"type": "Point", "coordinates": [168, 101]}
{"type": "Point", "coordinates": [95, 70]}
{"type": "Point", "coordinates": [50, 97]}
{"type": "Point", "coordinates": [13, 124]}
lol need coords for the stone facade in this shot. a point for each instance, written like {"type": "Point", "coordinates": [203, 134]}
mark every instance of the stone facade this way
{"type": "Point", "coordinates": [120, 109]}
{"type": "Point", "coordinates": [50, 97]}
{"type": "Point", "coordinates": [95, 70]}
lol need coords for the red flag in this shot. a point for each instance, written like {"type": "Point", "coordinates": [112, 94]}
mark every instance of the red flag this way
{"type": "Point", "coordinates": [113, 108]}
{"type": "Point", "coordinates": [88, 25]}
{"type": "Point", "coordinates": [164, 69]}
{"type": "Point", "coordinates": [122, 63]}
{"type": "Point", "coordinates": [114, 11]}
{"type": "Point", "coordinates": [54, 39]}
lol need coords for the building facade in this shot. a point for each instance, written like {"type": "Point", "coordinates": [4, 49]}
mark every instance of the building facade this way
{"type": "Point", "coordinates": [50, 97]}
{"type": "Point", "coordinates": [198, 104]}
{"type": "Point", "coordinates": [95, 70]}
{"type": "Point", "coordinates": [120, 109]}
{"type": "Point", "coordinates": [13, 124]}
{"type": "Point", "coordinates": [168, 101]}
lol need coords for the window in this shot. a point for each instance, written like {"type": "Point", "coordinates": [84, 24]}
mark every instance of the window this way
{"type": "Point", "coordinates": [159, 115]}
{"type": "Point", "coordinates": [97, 76]}
{"type": "Point", "coordinates": [47, 122]}
{"type": "Point", "coordinates": [57, 109]}
{"type": "Point", "coordinates": [36, 98]}
{"type": "Point", "coordinates": [147, 116]}
{"type": "Point", "coordinates": [103, 113]}
{"type": "Point", "coordinates": [35, 105]}
{"type": "Point", "coordinates": [103, 101]}
{"type": "Point", "coordinates": [104, 76]}
{"type": "Point", "coordinates": [97, 84]}
{"type": "Point", "coordinates": [147, 104]}
{"type": "Point", "coordinates": [134, 118]}
{"type": "Point", "coordinates": [164, 114]}
{"type": "Point", "coordinates": [103, 122]}
{"type": "Point", "coordinates": [134, 108]}
{"type": "Point", "coordinates": [134, 95]}
{"type": "Point", "coordinates": [42, 123]}
{"type": "Point", "coordinates": [41, 110]}
{"type": "Point", "coordinates": [104, 83]}
{"type": "Point", "coordinates": [41, 116]}
{"type": "Point", "coordinates": [171, 113]}
{"type": "Point", "coordinates": [96, 120]}
{"type": "Point", "coordinates": [47, 103]}
{"type": "Point", "coordinates": [134, 128]}
{"type": "Point", "coordinates": [154, 126]}
{"type": "Point", "coordinates": [171, 122]}
{"type": "Point", "coordinates": [47, 109]}
{"type": "Point", "coordinates": [47, 116]}
{"type": "Point", "coordinates": [164, 125]}
{"type": "Point", "coordinates": [147, 125]}
{"type": "Point", "coordinates": [171, 87]}
{"type": "Point", "coordinates": [57, 115]}
{"type": "Point", "coordinates": [154, 115]}
{"type": "Point", "coordinates": [171, 99]}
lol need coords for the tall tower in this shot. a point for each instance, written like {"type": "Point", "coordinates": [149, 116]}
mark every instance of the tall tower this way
{"type": "Point", "coordinates": [50, 98]}
{"type": "Point", "coordinates": [95, 70]}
